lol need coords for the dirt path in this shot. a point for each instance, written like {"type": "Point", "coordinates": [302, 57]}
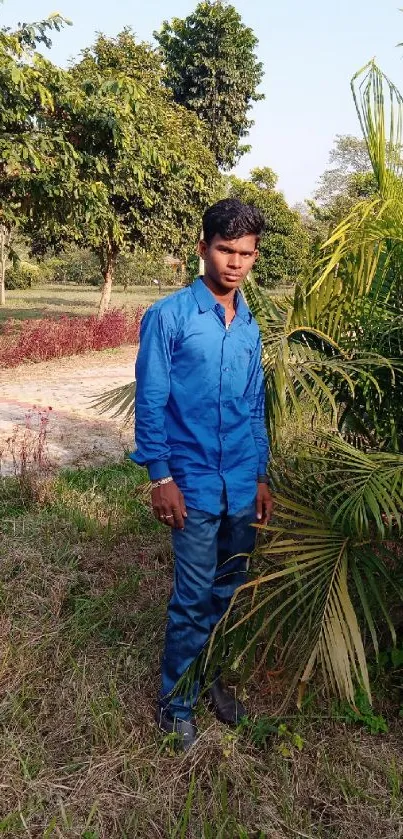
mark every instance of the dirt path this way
{"type": "Point", "coordinates": [77, 435]}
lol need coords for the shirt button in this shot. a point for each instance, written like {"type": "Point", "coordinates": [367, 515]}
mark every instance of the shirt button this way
{"type": "Point", "coordinates": [225, 369]}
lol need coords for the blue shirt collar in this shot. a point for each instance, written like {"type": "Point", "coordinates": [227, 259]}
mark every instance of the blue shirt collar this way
{"type": "Point", "coordinates": [206, 300]}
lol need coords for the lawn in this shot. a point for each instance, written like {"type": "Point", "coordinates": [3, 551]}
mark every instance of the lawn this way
{"type": "Point", "coordinates": [56, 300]}
{"type": "Point", "coordinates": [85, 578]}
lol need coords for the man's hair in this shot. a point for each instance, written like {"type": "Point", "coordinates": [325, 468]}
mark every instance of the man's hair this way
{"type": "Point", "coordinates": [231, 219]}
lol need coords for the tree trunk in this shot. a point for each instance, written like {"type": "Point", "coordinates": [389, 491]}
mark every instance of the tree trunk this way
{"type": "Point", "coordinates": [108, 274]}
{"type": "Point", "coordinates": [4, 244]}
{"type": "Point", "coordinates": [201, 260]}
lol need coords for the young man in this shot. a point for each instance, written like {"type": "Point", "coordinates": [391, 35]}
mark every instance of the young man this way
{"type": "Point", "coordinates": [200, 430]}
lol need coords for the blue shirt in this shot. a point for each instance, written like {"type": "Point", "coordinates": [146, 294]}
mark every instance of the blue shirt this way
{"type": "Point", "coordinates": [200, 399]}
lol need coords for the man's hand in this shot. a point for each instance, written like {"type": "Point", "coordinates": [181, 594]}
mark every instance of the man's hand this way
{"type": "Point", "coordinates": [264, 504]}
{"type": "Point", "coordinates": [169, 505]}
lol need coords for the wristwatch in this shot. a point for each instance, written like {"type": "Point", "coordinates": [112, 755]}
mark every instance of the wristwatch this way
{"type": "Point", "coordinates": [263, 479]}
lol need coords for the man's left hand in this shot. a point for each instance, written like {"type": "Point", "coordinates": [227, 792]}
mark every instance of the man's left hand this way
{"type": "Point", "coordinates": [264, 504]}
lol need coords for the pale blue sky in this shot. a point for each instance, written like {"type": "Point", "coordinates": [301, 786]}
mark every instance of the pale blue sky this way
{"type": "Point", "coordinates": [309, 50]}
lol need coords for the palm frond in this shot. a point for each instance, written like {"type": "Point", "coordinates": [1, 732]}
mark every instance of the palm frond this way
{"type": "Point", "coordinates": [311, 355]}
{"type": "Point", "coordinates": [362, 492]}
{"type": "Point", "coordinates": [120, 400]}
{"type": "Point", "coordinates": [379, 106]}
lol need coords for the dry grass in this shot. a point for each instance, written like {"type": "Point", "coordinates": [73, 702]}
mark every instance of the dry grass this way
{"type": "Point", "coordinates": [85, 576]}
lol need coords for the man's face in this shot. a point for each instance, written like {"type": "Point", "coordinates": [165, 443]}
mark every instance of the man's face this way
{"type": "Point", "coordinates": [228, 261]}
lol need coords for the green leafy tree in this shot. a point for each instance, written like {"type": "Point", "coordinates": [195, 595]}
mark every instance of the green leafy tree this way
{"type": "Point", "coordinates": [26, 152]}
{"type": "Point", "coordinates": [212, 69]}
{"type": "Point", "coordinates": [348, 180]}
{"type": "Point", "coordinates": [284, 246]}
{"type": "Point", "coordinates": [142, 172]}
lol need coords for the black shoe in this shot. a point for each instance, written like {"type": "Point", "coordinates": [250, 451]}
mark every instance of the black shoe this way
{"type": "Point", "coordinates": [226, 706]}
{"type": "Point", "coordinates": [185, 729]}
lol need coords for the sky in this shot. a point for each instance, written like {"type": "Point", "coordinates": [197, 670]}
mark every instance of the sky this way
{"type": "Point", "coordinates": [310, 49]}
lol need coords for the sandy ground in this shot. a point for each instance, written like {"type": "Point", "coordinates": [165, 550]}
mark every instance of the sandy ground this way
{"type": "Point", "coordinates": [76, 434]}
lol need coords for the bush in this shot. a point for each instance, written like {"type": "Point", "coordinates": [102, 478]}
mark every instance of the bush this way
{"type": "Point", "coordinates": [44, 339]}
{"type": "Point", "coordinates": [74, 266]}
{"type": "Point", "coordinates": [144, 269]}
{"type": "Point", "coordinates": [22, 275]}
{"type": "Point", "coordinates": [82, 267]}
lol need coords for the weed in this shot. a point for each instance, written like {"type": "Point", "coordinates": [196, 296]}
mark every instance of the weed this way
{"type": "Point", "coordinates": [269, 729]}
{"type": "Point", "coordinates": [362, 713]}
{"type": "Point", "coordinates": [390, 667]}
{"type": "Point", "coordinates": [27, 445]}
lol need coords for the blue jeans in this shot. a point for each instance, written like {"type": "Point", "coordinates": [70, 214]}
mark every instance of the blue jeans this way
{"type": "Point", "coordinates": [207, 572]}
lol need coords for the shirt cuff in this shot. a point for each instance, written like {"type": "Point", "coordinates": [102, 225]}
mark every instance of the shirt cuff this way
{"type": "Point", "coordinates": [262, 470]}
{"type": "Point", "coordinates": [158, 469]}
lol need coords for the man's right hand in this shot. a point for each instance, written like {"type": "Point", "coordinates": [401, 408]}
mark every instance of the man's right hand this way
{"type": "Point", "coordinates": [169, 505]}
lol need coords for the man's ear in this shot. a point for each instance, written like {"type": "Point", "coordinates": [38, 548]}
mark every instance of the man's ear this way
{"type": "Point", "coordinates": [202, 247]}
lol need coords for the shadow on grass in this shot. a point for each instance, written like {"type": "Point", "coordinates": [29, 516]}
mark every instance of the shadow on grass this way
{"type": "Point", "coordinates": [32, 314]}
{"type": "Point", "coordinates": [61, 302]}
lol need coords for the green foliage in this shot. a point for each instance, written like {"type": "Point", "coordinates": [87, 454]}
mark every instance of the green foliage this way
{"type": "Point", "coordinates": [74, 265]}
{"type": "Point", "coordinates": [27, 153]}
{"type": "Point", "coordinates": [142, 268]}
{"type": "Point", "coordinates": [142, 173]}
{"type": "Point", "coordinates": [284, 246]}
{"type": "Point", "coordinates": [212, 69]}
{"type": "Point", "coordinates": [361, 713]}
{"type": "Point", "coordinates": [349, 158]}
{"type": "Point", "coordinates": [265, 730]}
{"type": "Point", "coordinates": [81, 266]}
{"type": "Point", "coordinates": [99, 155]}
{"type": "Point", "coordinates": [23, 275]}
{"type": "Point", "coordinates": [350, 179]}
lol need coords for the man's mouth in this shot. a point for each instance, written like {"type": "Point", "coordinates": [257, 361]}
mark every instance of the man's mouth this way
{"type": "Point", "coordinates": [233, 278]}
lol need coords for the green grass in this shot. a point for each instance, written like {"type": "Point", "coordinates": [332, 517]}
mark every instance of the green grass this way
{"type": "Point", "coordinates": [85, 575]}
{"type": "Point", "coordinates": [56, 300]}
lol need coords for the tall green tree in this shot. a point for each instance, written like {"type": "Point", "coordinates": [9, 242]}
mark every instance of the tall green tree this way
{"type": "Point", "coordinates": [212, 69]}
{"type": "Point", "coordinates": [142, 174]}
{"type": "Point", "coordinates": [26, 152]}
{"type": "Point", "coordinates": [284, 245]}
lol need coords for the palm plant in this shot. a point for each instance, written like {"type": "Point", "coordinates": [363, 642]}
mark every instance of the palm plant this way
{"type": "Point", "coordinates": [332, 356]}
{"type": "Point", "coordinates": [328, 568]}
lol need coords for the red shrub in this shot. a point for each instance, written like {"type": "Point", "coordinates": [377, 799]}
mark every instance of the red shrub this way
{"type": "Point", "coordinates": [40, 340]}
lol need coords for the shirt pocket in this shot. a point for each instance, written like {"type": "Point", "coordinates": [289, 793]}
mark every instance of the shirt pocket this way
{"type": "Point", "coordinates": [239, 371]}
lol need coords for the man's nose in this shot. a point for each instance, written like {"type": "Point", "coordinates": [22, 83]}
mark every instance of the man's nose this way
{"type": "Point", "coordinates": [235, 260]}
